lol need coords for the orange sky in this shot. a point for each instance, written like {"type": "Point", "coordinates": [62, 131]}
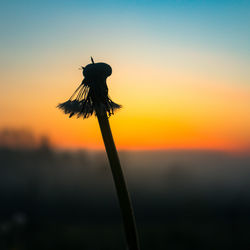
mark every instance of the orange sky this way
{"type": "Point", "coordinates": [161, 110]}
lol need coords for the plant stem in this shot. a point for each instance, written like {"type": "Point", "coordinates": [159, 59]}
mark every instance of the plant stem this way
{"type": "Point", "coordinates": [120, 184]}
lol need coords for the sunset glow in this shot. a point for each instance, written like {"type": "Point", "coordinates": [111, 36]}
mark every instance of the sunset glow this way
{"type": "Point", "coordinates": [182, 78]}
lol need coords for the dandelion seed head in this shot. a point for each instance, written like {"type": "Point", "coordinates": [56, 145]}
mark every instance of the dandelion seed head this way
{"type": "Point", "coordinates": [97, 70]}
{"type": "Point", "coordinates": [92, 94]}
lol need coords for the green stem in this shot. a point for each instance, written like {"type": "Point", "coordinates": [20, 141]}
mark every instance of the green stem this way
{"type": "Point", "coordinates": [120, 184]}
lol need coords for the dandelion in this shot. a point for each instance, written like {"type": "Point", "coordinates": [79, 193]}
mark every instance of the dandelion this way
{"type": "Point", "coordinates": [92, 94]}
{"type": "Point", "coordinates": [91, 97]}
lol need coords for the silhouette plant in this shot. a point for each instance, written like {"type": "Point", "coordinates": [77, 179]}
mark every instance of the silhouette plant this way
{"type": "Point", "coordinates": [91, 97]}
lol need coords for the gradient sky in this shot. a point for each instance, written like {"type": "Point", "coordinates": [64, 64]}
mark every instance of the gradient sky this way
{"type": "Point", "coordinates": [180, 70]}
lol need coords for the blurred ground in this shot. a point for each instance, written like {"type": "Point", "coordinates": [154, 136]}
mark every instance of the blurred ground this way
{"type": "Point", "coordinates": [66, 199]}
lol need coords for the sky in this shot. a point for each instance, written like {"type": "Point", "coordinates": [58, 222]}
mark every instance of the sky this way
{"type": "Point", "coordinates": [180, 71]}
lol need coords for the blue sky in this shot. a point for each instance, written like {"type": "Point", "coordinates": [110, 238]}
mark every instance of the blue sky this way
{"type": "Point", "coordinates": [216, 24]}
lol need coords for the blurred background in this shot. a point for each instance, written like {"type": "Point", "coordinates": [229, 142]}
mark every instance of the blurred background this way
{"type": "Point", "coordinates": [181, 72]}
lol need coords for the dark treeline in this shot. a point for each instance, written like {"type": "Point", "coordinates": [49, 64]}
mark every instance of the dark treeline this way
{"type": "Point", "coordinates": [66, 200]}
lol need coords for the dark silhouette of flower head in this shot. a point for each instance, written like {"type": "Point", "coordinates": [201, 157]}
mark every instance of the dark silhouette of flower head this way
{"type": "Point", "coordinates": [92, 94]}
